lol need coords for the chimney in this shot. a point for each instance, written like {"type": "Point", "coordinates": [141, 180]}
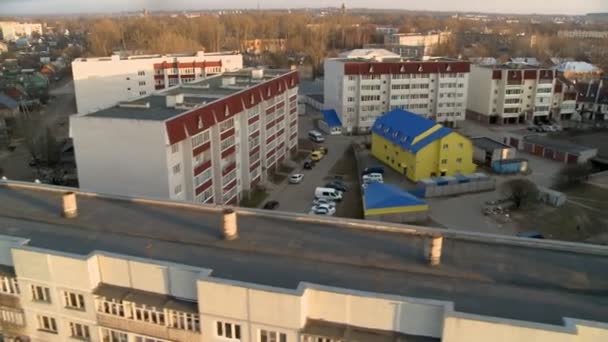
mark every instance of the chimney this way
{"type": "Point", "coordinates": [434, 255]}
{"type": "Point", "coordinates": [70, 209]}
{"type": "Point", "coordinates": [230, 230]}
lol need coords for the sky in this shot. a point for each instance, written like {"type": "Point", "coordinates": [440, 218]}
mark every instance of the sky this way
{"type": "Point", "coordinates": [30, 7]}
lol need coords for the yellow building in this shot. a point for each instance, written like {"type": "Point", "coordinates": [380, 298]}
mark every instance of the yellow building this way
{"type": "Point", "coordinates": [420, 148]}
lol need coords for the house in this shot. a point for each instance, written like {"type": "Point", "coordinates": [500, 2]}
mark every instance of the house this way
{"type": "Point", "coordinates": [420, 148]}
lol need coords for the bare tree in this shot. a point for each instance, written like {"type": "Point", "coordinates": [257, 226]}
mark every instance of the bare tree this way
{"type": "Point", "coordinates": [521, 191]}
{"type": "Point", "coordinates": [571, 175]}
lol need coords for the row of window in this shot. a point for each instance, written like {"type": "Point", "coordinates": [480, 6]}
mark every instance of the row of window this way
{"type": "Point", "coordinates": [77, 330]}
{"type": "Point", "coordinates": [71, 300]}
{"type": "Point", "coordinates": [450, 104]}
{"type": "Point", "coordinates": [409, 96]}
{"type": "Point", "coordinates": [451, 85]}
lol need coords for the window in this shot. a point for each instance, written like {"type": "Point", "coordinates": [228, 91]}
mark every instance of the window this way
{"type": "Point", "coordinates": [205, 195]}
{"type": "Point", "coordinates": [253, 142]}
{"type": "Point", "coordinates": [147, 339]}
{"type": "Point", "coordinates": [174, 148]}
{"type": "Point", "coordinates": [9, 285]}
{"type": "Point", "coordinates": [229, 178]}
{"type": "Point", "coordinates": [370, 98]}
{"type": "Point", "coordinates": [512, 101]}
{"type": "Point", "coordinates": [11, 316]}
{"type": "Point", "coordinates": [142, 93]}
{"type": "Point", "coordinates": [444, 161]}
{"type": "Point", "coordinates": [201, 158]}
{"type": "Point", "coordinates": [445, 146]}
{"type": "Point", "coordinates": [253, 112]}
{"type": "Point", "coordinates": [459, 160]}
{"type": "Point", "coordinates": [226, 124]}
{"type": "Point", "coordinates": [141, 73]}
{"type": "Point", "coordinates": [111, 307]}
{"type": "Point", "coordinates": [254, 157]}
{"type": "Point", "coordinates": [350, 110]}
{"type": "Point", "coordinates": [184, 320]}
{"type": "Point", "coordinates": [461, 145]}
{"type": "Point", "coordinates": [80, 331]}
{"type": "Point", "coordinates": [513, 91]}
{"type": "Point", "coordinates": [228, 330]}
{"type": "Point", "coordinates": [227, 143]}
{"type": "Point", "coordinates": [272, 336]}
{"type": "Point", "coordinates": [178, 189]}
{"type": "Point", "coordinates": [370, 87]}
{"type": "Point", "coordinates": [177, 168]}
{"type": "Point", "coordinates": [350, 99]}
{"type": "Point", "coordinates": [351, 78]}
{"type": "Point", "coordinates": [400, 86]}
{"type": "Point", "coordinates": [48, 324]}
{"type": "Point", "coordinates": [41, 294]}
{"type": "Point", "coordinates": [73, 300]}
{"type": "Point", "coordinates": [108, 335]}
{"type": "Point", "coordinates": [148, 314]}
{"type": "Point", "coordinates": [142, 83]}
{"type": "Point", "coordinates": [203, 177]}
{"type": "Point", "coordinates": [200, 139]}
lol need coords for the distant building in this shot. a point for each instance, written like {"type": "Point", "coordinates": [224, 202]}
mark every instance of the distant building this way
{"type": "Point", "coordinates": [564, 99]}
{"type": "Point", "coordinates": [259, 46]}
{"type": "Point", "coordinates": [510, 93]}
{"type": "Point", "coordinates": [581, 34]}
{"type": "Point", "coordinates": [12, 30]}
{"type": "Point", "coordinates": [430, 41]}
{"type": "Point", "coordinates": [401, 50]}
{"type": "Point", "coordinates": [103, 82]}
{"type": "Point", "coordinates": [420, 148]}
{"type": "Point", "coordinates": [207, 141]}
{"type": "Point", "coordinates": [362, 84]}
{"type": "Point", "coordinates": [386, 30]}
{"type": "Point", "coordinates": [592, 100]}
{"type": "Point", "coordinates": [580, 71]}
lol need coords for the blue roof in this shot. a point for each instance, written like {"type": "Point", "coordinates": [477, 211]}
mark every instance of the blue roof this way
{"type": "Point", "coordinates": [8, 102]}
{"type": "Point", "coordinates": [402, 127]}
{"type": "Point", "coordinates": [331, 118]}
{"type": "Point", "coordinates": [380, 196]}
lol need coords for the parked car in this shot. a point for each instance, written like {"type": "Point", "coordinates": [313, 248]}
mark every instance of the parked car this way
{"type": "Point", "coordinates": [308, 164]}
{"type": "Point", "coordinates": [328, 194]}
{"type": "Point", "coordinates": [373, 177]}
{"type": "Point", "coordinates": [316, 136]}
{"type": "Point", "coordinates": [296, 178]}
{"type": "Point", "coordinates": [337, 185]}
{"type": "Point", "coordinates": [323, 210]}
{"type": "Point", "coordinates": [316, 155]}
{"type": "Point", "coordinates": [320, 201]}
{"type": "Point", "coordinates": [322, 149]}
{"type": "Point", "coordinates": [535, 128]}
{"type": "Point", "coordinates": [373, 169]}
{"type": "Point", "coordinates": [271, 205]}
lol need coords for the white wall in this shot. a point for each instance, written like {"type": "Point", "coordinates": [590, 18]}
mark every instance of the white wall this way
{"type": "Point", "coordinates": [120, 156]}
{"type": "Point", "coordinates": [481, 92]}
{"type": "Point", "coordinates": [333, 84]}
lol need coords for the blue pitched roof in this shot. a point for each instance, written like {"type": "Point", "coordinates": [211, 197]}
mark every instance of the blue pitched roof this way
{"type": "Point", "coordinates": [8, 102]}
{"type": "Point", "coordinates": [331, 118]}
{"type": "Point", "coordinates": [380, 196]}
{"type": "Point", "coordinates": [402, 127]}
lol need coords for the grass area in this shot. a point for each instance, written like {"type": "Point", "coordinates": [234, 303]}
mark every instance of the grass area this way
{"type": "Point", "coordinates": [255, 199]}
{"type": "Point", "coordinates": [584, 216]}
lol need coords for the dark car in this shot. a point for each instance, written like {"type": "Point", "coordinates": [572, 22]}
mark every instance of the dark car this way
{"type": "Point", "coordinates": [373, 169]}
{"type": "Point", "coordinates": [308, 164]}
{"type": "Point", "coordinates": [338, 185]}
{"type": "Point", "coordinates": [532, 234]}
{"type": "Point", "coordinates": [271, 205]}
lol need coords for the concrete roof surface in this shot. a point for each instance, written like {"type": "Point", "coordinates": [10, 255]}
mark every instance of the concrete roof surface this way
{"type": "Point", "coordinates": [509, 280]}
{"type": "Point", "coordinates": [488, 144]}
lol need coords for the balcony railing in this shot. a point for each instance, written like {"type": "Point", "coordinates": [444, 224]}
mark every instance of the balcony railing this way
{"type": "Point", "coordinates": [12, 320]}
{"type": "Point", "coordinates": [145, 328]}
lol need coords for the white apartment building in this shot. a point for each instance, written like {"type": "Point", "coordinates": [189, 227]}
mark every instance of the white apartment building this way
{"type": "Point", "coordinates": [12, 30]}
{"type": "Point", "coordinates": [102, 82]}
{"type": "Point", "coordinates": [582, 34]}
{"type": "Point", "coordinates": [430, 40]}
{"type": "Point", "coordinates": [203, 142]}
{"type": "Point", "coordinates": [510, 93]}
{"type": "Point", "coordinates": [564, 99]}
{"type": "Point", "coordinates": [361, 89]}
{"type": "Point", "coordinates": [134, 270]}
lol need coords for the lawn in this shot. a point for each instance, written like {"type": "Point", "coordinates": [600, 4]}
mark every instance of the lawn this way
{"type": "Point", "coordinates": [255, 199]}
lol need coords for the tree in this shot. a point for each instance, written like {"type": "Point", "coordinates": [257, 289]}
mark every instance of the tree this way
{"type": "Point", "coordinates": [521, 191]}
{"type": "Point", "coordinates": [571, 175]}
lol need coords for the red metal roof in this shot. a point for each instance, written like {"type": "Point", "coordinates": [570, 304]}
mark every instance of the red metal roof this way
{"type": "Point", "coordinates": [380, 68]}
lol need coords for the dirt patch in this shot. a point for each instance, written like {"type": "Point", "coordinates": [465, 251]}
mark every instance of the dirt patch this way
{"type": "Point", "coordinates": [254, 199]}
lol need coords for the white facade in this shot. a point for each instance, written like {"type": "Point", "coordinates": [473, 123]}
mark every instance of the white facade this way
{"type": "Point", "coordinates": [505, 94]}
{"type": "Point", "coordinates": [430, 41]}
{"type": "Point", "coordinates": [361, 91]}
{"type": "Point", "coordinates": [12, 30]}
{"type": "Point", "coordinates": [110, 297]}
{"type": "Point", "coordinates": [583, 34]}
{"type": "Point", "coordinates": [120, 78]}
{"type": "Point", "coordinates": [124, 151]}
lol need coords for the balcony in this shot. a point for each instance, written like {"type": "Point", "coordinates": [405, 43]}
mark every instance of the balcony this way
{"type": "Point", "coordinates": [12, 320]}
{"type": "Point", "coordinates": [145, 328]}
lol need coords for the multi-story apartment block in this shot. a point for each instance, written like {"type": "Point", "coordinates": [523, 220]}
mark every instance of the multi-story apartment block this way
{"type": "Point", "coordinates": [12, 30]}
{"type": "Point", "coordinates": [203, 142]}
{"type": "Point", "coordinates": [510, 93]}
{"type": "Point", "coordinates": [564, 99]}
{"type": "Point", "coordinates": [581, 34]}
{"type": "Point", "coordinates": [430, 40]}
{"type": "Point", "coordinates": [102, 269]}
{"type": "Point", "coordinates": [361, 89]}
{"type": "Point", "coordinates": [121, 78]}
{"type": "Point", "coordinates": [592, 100]}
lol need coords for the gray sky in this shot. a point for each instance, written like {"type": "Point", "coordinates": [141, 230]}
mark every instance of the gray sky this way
{"type": "Point", "coordinates": [25, 7]}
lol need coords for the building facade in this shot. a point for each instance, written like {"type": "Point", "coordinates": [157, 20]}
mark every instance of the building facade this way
{"type": "Point", "coordinates": [12, 30]}
{"type": "Point", "coordinates": [420, 148]}
{"type": "Point", "coordinates": [259, 46]}
{"type": "Point", "coordinates": [121, 78]}
{"type": "Point", "coordinates": [581, 34]}
{"type": "Point", "coordinates": [205, 142]}
{"type": "Point", "coordinates": [592, 100]}
{"type": "Point", "coordinates": [564, 99]}
{"type": "Point", "coordinates": [133, 270]}
{"type": "Point", "coordinates": [510, 93]}
{"type": "Point", "coordinates": [361, 90]}
{"type": "Point", "coordinates": [430, 41]}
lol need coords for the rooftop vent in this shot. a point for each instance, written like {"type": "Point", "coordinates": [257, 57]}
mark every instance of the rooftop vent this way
{"type": "Point", "coordinates": [174, 101]}
{"type": "Point", "coordinates": [134, 105]}
{"type": "Point", "coordinates": [228, 81]}
{"type": "Point", "coordinates": [70, 209]}
{"type": "Point", "coordinates": [229, 229]}
{"type": "Point", "coordinates": [257, 73]}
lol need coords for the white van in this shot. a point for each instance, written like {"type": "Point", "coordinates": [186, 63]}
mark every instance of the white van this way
{"type": "Point", "coordinates": [373, 177]}
{"type": "Point", "coordinates": [316, 136]}
{"type": "Point", "coordinates": [328, 194]}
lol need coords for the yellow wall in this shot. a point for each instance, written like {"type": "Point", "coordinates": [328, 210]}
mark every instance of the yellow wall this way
{"type": "Point", "coordinates": [428, 160]}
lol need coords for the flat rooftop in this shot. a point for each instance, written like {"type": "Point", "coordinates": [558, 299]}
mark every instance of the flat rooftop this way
{"type": "Point", "coordinates": [561, 145]}
{"type": "Point", "coordinates": [127, 55]}
{"type": "Point", "coordinates": [517, 278]}
{"type": "Point", "coordinates": [488, 144]}
{"type": "Point", "coordinates": [196, 94]}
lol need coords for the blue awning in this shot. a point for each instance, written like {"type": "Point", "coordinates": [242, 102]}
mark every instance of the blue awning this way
{"type": "Point", "coordinates": [331, 118]}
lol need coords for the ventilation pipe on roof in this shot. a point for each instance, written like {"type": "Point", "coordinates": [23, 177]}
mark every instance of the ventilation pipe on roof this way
{"type": "Point", "coordinates": [434, 255]}
{"type": "Point", "coordinates": [230, 230]}
{"type": "Point", "coordinates": [70, 209]}
{"type": "Point", "coordinates": [257, 73]}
